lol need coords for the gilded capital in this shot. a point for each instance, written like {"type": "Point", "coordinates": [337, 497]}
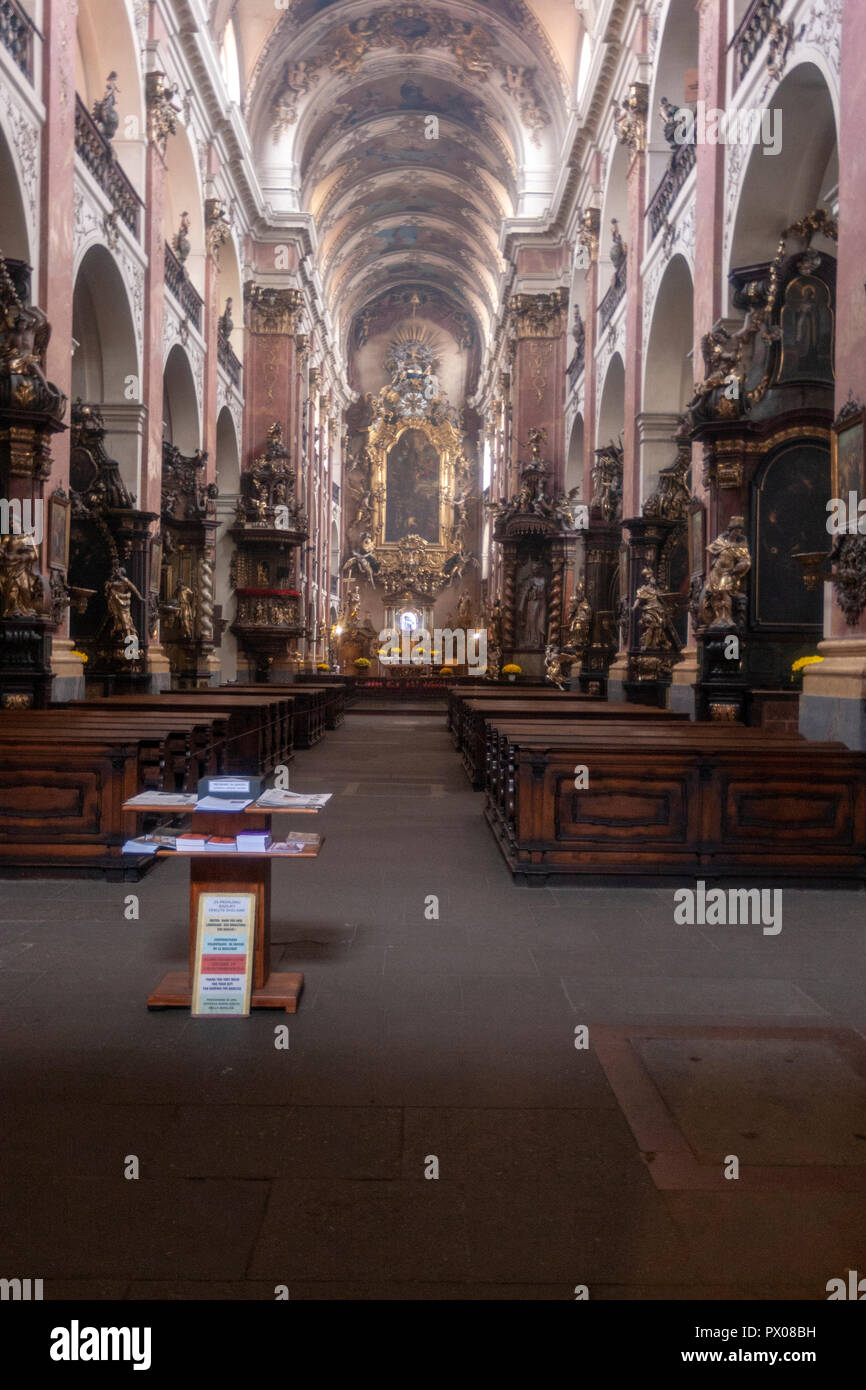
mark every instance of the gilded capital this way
{"type": "Point", "coordinates": [272, 310]}
{"type": "Point", "coordinates": [539, 315]}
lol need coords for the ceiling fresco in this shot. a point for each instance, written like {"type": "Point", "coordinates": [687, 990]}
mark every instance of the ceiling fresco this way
{"type": "Point", "coordinates": [409, 132]}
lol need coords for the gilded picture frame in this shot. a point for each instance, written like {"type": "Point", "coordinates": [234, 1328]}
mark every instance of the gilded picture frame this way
{"type": "Point", "coordinates": [59, 520]}
{"type": "Point", "coordinates": [848, 456]}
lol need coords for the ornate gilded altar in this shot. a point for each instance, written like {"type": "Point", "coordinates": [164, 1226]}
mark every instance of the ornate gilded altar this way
{"type": "Point", "coordinates": [109, 555]}
{"type": "Point", "coordinates": [269, 527]}
{"type": "Point", "coordinates": [602, 568]}
{"type": "Point", "coordinates": [186, 592]}
{"type": "Point", "coordinates": [535, 529]}
{"type": "Point", "coordinates": [411, 483]}
{"type": "Point", "coordinates": [654, 605]}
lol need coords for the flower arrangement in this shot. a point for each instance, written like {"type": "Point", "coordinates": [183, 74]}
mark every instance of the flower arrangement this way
{"type": "Point", "coordinates": [448, 671]}
{"type": "Point", "coordinates": [361, 663]}
{"type": "Point", "coordinates": [82, 656]}
{"type": "Point", "coordinates": [802, 662]}
{"type": "Point", "coordinates": [512, 669]}
{"type": "Point", "coordinates": [323, 666]}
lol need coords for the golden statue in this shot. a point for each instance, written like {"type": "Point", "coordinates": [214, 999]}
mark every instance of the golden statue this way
{"type": "Point", "coordinates": [118, 593]}
{"type": "Point", "coordinates": [184, 598]}
{"type": "Point", "coordinates": [579, 619]}
{"type": "Point", "coordinates": [731, 563]}
{"type": "Point", "coordinates": [20, 588]}
{"type": "Point", "coordinates": [552, 668]}
{"type": "Point", "coordinates": [655, 628]}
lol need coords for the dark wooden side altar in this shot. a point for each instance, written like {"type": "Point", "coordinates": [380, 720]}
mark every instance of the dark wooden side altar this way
{"type": "Point", "coordinates": [537, 536]}
{"type": "Point", "coordinates": [763, 415]}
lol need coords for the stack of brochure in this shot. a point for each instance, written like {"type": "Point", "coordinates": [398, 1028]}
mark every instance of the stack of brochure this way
{"type": "Point", "coordinates": [223, 803]}
{"type": "Point", "coordinates": [254, 841]}
{"type": "Point", "coordinates": [191, 844]}
{"type": "Point", "coordinates": [278, 800]}
{"type": "Point", "coordinates": [167, 801]}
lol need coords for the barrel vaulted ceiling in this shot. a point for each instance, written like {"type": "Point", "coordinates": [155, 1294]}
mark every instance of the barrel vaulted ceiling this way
{"type": "Point", "coordinates": [338, 98]}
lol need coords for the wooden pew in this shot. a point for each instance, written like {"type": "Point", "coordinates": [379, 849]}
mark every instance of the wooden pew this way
{"type": "Point", "coordinates": [64, 778]}
{"type": "Point", "coordinates": [478, 690]}
{"type": "Point", "coordinates": [258, 730]}
{"type": "Point", "coordinates": [676, 800]}
{"type": "Point", "coordinates": [309, 708]}
{"type": "Point", "coordinates": [475, 714]}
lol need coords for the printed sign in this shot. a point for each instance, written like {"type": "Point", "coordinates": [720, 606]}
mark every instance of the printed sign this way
{"type": "Point", "coordinates": [222, 981]}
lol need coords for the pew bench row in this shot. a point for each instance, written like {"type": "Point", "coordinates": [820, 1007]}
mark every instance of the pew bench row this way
{"type": "Point", "coordinates": [613, 799]}
{"type": "Point", "coordinates": [65, 772]}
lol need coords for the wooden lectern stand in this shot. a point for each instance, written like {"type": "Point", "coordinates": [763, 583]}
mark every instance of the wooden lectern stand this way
{"type": "Point", "coordinates": [212, 872]}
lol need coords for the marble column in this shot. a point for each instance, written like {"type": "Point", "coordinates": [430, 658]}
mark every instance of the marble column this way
{"type": "Point", "coordinates": [55, 288]}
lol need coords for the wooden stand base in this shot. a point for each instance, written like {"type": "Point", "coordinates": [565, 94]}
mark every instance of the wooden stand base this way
{"type": "Point", "coordinates": [280, 991]}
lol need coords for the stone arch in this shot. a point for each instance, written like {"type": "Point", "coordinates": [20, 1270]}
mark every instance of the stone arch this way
{"type": "Point", "coordinates": [677, 53]}
{"type": "Point", "coordinates": [14, 229]}
{"type": "Point", "coordinates": [105, 360]}
{"type": "Point", "coordinates": [668, 370]}
{"type": "Point", "coordinates": [575, 460]}
{"type": "Point", "coordinates": [229, 286]}
{"type": "Point", "coordinates": [614, 205]}
{"type": "Point", "coordinates": [180, 405]}
{"type": "Point", "coordinates": [183, 194]}
{"type": "Point", "coordinates": [611, 413]}
{"type": "Point", "coordinates": [776, 190]}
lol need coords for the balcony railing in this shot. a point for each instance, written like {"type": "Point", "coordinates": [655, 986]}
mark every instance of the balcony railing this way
{"type": "Point", "coordinates": [96, 152]}
{"type": "Point", "coordinates": [607, 307]}
{"type": "Point", "coordinates": [681, 164]}
{"type": "Point", "coordinates": [16, 35]}
{"type": "Point", "coordinates": [183, 289]}
{"type": "Point", "coordinates": [228, 360]}
{"type": "Point", "coordinates": [752, 32]}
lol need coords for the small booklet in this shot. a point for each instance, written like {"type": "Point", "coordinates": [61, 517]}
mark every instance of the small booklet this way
{"type": "Point", "coordinates": [223, 803]}
{"type": "Point", "coordinates": [168, 800]}
{"type": "Point", "coordinates": [278, 800]}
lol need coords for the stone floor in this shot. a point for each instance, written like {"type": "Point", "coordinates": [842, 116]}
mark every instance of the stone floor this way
{"type": "Point", "coordinates": [418, 1040]}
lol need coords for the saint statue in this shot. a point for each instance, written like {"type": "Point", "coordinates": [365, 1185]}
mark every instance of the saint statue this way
{"type": "Point", "coordinates": [579, 619]}
{"type": "Point", "coordinates": [655, 629]}
{"type": "Point", "coordinates": [184, 599]}
{"type": "Point", "coordinates": [20, 588]}
{"type": "Point", "coordinates": [532, 607]}
{"type": "Point", "coordinates": [118, 593]}
{"type": "Point", "coordinates": [105, 115]}
{"type": "Point", "coordinates": [731, 563]}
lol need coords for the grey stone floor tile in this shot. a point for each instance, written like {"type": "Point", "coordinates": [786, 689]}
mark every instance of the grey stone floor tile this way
{"type": "Point", "coordinates": [280, 1141]}
{"type": "Point", "coordinates": [712, 1000]}
{"type": "Point", "coordinates": [101, 1228]}
{"type": "Point", "coordinates": [356, 1230]}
